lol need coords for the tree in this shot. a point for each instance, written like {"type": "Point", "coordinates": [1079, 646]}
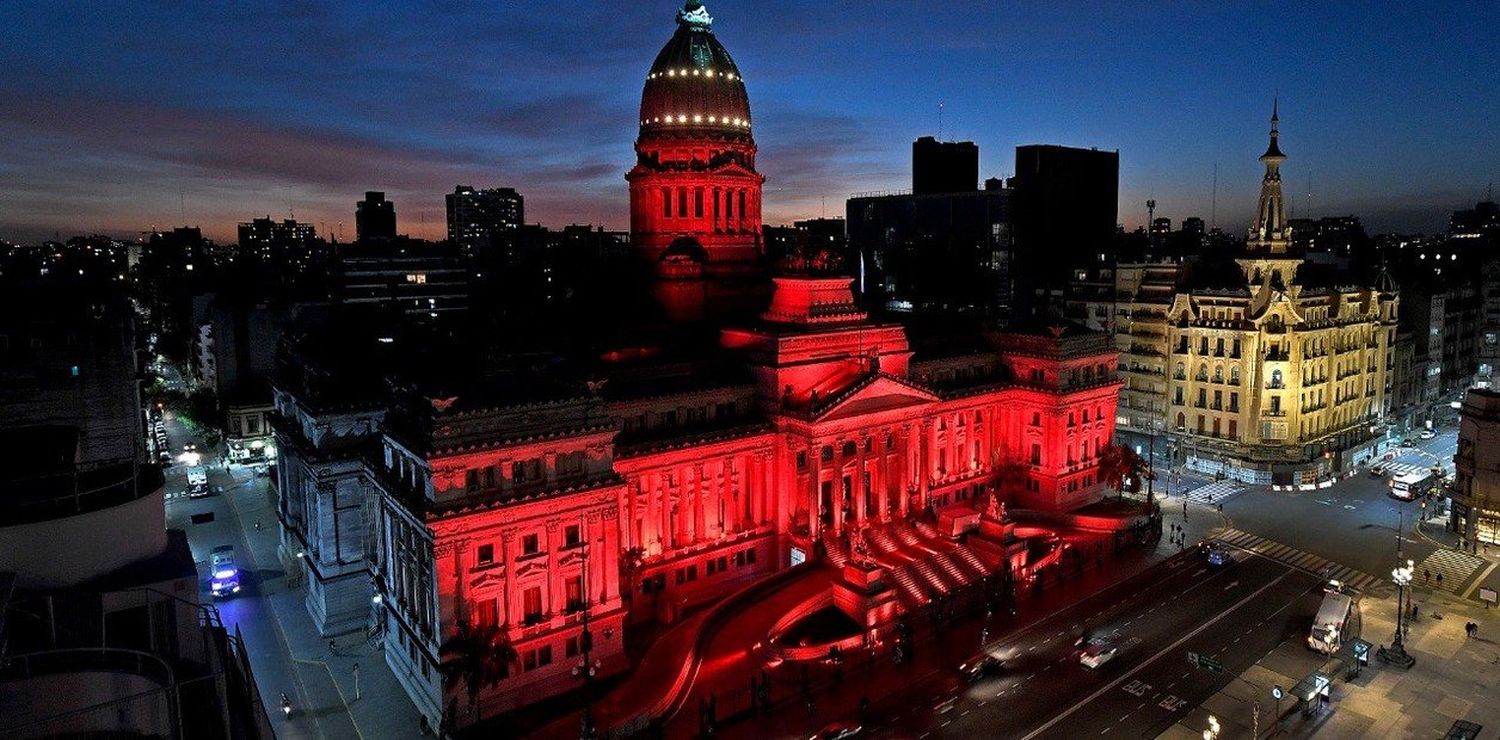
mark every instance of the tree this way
{"type": "Point", "coordinates": [1120, 466]}
{"type": "Point", "coordinates": [479, 656]}
{"type": "Point", "coordinates": [632, 560]}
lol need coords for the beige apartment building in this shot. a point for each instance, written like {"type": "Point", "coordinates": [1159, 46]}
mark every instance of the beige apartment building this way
{"type": "Point", "coordinates": [1276, 375]}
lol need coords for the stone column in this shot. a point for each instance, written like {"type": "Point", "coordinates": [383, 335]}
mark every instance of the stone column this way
{"type": "Point", "coordinates": [815, 501]}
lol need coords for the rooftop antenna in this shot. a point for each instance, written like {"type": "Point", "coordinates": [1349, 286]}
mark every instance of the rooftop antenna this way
{"type": "Point", "coordinates": [940, 120]}
{"type": "Point", "coordinates": [1214, 210]}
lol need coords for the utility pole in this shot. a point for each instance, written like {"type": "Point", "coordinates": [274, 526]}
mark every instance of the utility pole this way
{"type": "Point", "coordinates": [1151, 225]}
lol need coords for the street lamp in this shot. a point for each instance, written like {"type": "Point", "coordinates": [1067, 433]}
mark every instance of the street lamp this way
{"type": "Point", "coordinates": [1396, 654]}
{"type": "Point", "coordinates": [1212, 733]}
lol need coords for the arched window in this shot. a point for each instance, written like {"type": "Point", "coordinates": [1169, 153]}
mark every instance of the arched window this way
{"type": "Point", "coordinates": [1181, 421]}
{"type": "Point", "coordinates": [1275, 378]}
{"type": "Point", "coordinates": [1181, 371]}
{"type": "Point", "coordinates": [1234, 375]}
{"type": "Point", "coordinates": [1218, 373]}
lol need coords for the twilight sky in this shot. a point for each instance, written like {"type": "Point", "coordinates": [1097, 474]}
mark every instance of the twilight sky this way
{"type": "Point", "coordinates": [119, 116]}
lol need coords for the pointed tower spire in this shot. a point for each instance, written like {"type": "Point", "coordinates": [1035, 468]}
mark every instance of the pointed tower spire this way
{"type": "Point", "coordinates": [1269, 233]}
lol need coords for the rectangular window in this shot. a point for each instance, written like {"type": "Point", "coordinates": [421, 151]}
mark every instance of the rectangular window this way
{"type": "Point", "coordinates": [572, 535]}
{"type": "Point", "coordinates": [692, 572]}
{"type": "Point", "coordinates": [750, 556]}
{"type": "Point", "coordinates": [728, 204]}
{"type": "Point", "coordinates": [518, 472]}
{"type": "Point", "coordinates": [570, 648]}
{"type": "Point", "coordinates": [484, 555]}
{"type": "Point", "coordinates": [531, 605]}
{"type": "Point", "coordinates": [574, 587]}
{"type": "Point", "coordinates": [711, 565]}
{"type": "Point", "coordinates": [489, 477]}
{"type": "Point", "coordinates": [1036, 454]}
{"type": "Point", "coordinates": [666, 202]}
{"type": "Point", "coordinates": [471, 481]}
{"type": "Point", "coordinates": [486, 613]}
{"type": "Point", "coordinates": [802, 460]}
{"type": "Point", "coordinates": [682, 202]}
{"type": "Point", "coordinates": [698, 203]}
{"type": "Point", "coordinates": [544, 655]}
{"type": "Point", "coordinates": [531, 544]}
{"type": "Point", "coordinates": [742, 205]}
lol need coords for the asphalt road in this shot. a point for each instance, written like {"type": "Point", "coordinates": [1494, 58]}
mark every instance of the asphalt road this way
{"type": "Point", "coordinates": [308, 686]}
{"type": "Point", "coordinates": [1237, 614]}
{"type": "Point", "coordinates": [1354, 522]}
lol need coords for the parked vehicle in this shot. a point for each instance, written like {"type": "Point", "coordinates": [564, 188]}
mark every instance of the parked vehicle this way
{"type": "Point", "coordinates": [1427, 434]}
{"type": "Point", "coordinates": [1328, 627]}
{"type": "Point", "coordinates": [1377, 471]}
{"type": "Point", "coordinates": [1408, 443]}
{"type": "Point", "coordinates": [224, 574]}
{"type": "Point", "coordinates": [197, 480]}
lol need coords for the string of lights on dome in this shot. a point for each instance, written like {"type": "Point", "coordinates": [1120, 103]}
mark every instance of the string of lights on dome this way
{"type": "Point", "coordinates": [699, 118]}
{"type": "Point", "coordinates": [692, 73]}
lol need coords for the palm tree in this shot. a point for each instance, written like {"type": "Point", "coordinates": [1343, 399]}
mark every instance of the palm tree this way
{"type": "Point", "coordinates": [1119, 466]}
{"type": "Point", "coordinates": [632, 560]}
{"type": "Point", "coordinates": [479, 656]}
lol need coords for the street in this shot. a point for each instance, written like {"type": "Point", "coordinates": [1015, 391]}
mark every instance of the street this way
{"type": "Point", "coordinates": [1235, 615]}
{"type": "Point", "coordinates": [319, 709]}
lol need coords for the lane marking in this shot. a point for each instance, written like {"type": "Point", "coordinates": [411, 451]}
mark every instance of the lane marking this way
{"type": "Point", "coordinates": [1174, 646]}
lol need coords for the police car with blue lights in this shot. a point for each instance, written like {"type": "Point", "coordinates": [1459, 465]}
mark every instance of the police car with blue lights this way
{"type": "Point", "coordinates": [224, 574]}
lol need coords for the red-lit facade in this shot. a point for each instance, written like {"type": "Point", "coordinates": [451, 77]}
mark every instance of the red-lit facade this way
{"type": "Point", "coordinates": [694, 192]}
{"type": "Point", "coordinates": [659, 484]}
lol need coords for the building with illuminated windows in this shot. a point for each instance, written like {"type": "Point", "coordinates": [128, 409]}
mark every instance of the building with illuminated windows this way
{"type": "Point", "coordinates": [1276, 372]}
{"type": "Point", "coordinates": [539, 504]}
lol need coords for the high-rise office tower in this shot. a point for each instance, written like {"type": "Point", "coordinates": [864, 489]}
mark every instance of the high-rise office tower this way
{"type": "Point", "coordinates": [374, 217]}
{"type": "Point", "coordinates": [944, 166]}
{"type": "Point", "coordinates": [482, 220]}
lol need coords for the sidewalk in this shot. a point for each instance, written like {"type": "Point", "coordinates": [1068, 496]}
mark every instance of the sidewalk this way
{"type": "Point", "coordinates": [380, 708]}
{"type": "Point", "coordinates": [1453, 679]}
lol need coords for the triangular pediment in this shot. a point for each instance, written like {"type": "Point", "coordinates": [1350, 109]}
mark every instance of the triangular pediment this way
{"type": "Point", "coordinates": [875, 394]}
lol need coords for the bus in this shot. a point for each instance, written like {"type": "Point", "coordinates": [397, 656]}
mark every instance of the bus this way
{"type": "Point", "coordinates": [1410, 486]}
{"type": "Point", "coordinates": [197, 481]}
{"type": "Point", "coordinates": [1328, 627]}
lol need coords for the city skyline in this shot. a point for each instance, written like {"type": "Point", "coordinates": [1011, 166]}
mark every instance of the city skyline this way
{"type": "Point", "coordinates": [302, 111]}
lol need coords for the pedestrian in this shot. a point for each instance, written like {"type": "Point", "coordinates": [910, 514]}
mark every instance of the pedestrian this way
{"type": "Point", "coordinates": [1426, 576]}
{"type": "Point", "coordinates": [1440, 580]}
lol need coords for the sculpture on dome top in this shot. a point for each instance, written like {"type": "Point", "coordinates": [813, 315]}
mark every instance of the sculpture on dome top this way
{"type": "Point", "coordinates": [695, 16]}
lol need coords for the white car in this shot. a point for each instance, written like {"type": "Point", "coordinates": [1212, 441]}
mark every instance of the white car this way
{"type": "Point", "coordinates": [1427, 434]}
{"type": "Point", "coordinates": [1098, 654]}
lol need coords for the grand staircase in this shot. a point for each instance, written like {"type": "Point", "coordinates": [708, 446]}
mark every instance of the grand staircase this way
{"type": "Point", "coordinates": [921, 563]}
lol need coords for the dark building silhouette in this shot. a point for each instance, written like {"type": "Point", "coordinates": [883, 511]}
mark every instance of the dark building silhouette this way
{"type": "Point", "coordinates": [374, 217]}
{"type": "Point", "coordinates": [947, 252]}
{"type": "Point", "coordinates": [943, 166]}
{"type": "Point", "coordinates": [1066, 207]}
{"type": "Point", "coordinates": [407, 277]}
{"type": "Point", "coordinates": [484, 220]}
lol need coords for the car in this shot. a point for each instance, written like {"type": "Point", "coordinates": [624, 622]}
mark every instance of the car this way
{"type": "Point", "coordinates": [1220, 557]}
{"type": "Point", "coordinates": [839, 730]}
{"type": "Point", "coordinates": [981, 667]}
{"type": "Point", "coordinates": [1377, 471]}
{"type": "Point", "coordinates": [224, 575]}
{"type": "Point", "coordinates": [1096, 655]}
{"type": "Point", "coordinates": [1427, 434]}
{"type": "Point", "coordinates": [165, 458]}
{"type": "Point", "coordinates": [1408, 443]}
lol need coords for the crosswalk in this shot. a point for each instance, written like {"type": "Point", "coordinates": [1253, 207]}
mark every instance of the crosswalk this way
{"type": "Point", "coordinates": [1214, 493]}
{"type": "Point", "coordinates": [1307, 561]}
{"type": "Point", "coordinates": [1395, 469]}
{"type": "Point", "coordinates": [1454, 566]}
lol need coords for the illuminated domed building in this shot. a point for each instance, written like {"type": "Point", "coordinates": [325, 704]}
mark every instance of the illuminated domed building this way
{"type": "Point", "coordinates": [540, 512]}
{"type": "Point", "coordinates": [694, 191]}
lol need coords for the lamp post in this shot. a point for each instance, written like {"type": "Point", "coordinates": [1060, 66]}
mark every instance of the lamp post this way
{"type": "Point", "coordinates": [587, 666]}
{"type": "Point", "coordinates": [1396, 654]}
